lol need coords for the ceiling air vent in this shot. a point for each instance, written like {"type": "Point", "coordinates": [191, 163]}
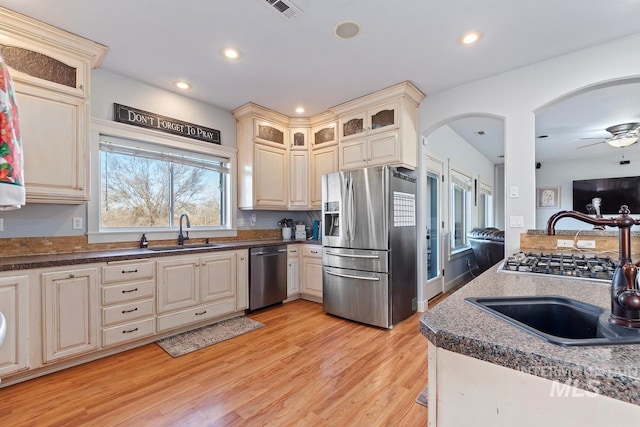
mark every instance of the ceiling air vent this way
{"type": "Point", "coordinates": [286, 9]}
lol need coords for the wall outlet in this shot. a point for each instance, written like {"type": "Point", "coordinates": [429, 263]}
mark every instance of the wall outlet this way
{"type": "Point", "coordinates": [564, 243]}
{"type": "Point", "coordinates": [77, 223]}
{"type": "Point", "coordinates": [586, 244]}
{"type": "Point", "coordinates": [240, 221]}
{"type": "Point", "coordinates": [1, 224]}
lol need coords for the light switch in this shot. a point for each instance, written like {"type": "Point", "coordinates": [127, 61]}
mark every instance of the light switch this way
{"type": "Point", "coordinates": [516, 221]}
{"type": "Point", "coordinates": [513, 192]}
{"type": "Point", "coordinates": [77, 223]}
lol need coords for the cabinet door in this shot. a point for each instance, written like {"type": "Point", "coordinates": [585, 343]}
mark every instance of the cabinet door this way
{"type": "Point", "coordinates": [271, 177]}
{"type": "Point", "coordinates": [178, 284]}
{"type": "Point", "coordinates": [270, 133]}
{"type": "Point", "coordinates": [299, 139]}
{"type": "Point", "coordinates": [299, 180]}
{"type": "Point", "coordinates": [242, 286]}
{"type": "Point", "coordinates": [323, 161]}
{"type": "Point", "coordinates": [293, 277]}
{"type": "Point", "coordinates": [324, 135]}
{"type": "Point", "coordinates": [54, 136]}
{"type": "Point", "coordinates": [70, 317]}
{"type": "Point", "coordinates": [383, 149]}
{"type": "Point", "coordinates": [312, 277]}
{"type": "Point", "coordinates": [218, 277]}
{"type": "Point", "coordinates": [352, 126]}
{"type": "Point", "coordinates": [14, 353]}
{"type": "Point", "coordinates": [353, 154]}
{"type": "Point", "coordinates": [382, 118]}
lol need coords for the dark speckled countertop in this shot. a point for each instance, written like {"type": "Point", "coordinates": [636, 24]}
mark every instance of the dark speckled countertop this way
{"type": "Point", "coordinates": [25, 262]}
{"type": "Point", "coordinates": [458, 326]}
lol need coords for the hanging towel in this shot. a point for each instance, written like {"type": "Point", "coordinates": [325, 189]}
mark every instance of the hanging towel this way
{"type": "Point", "coordinates": [12, 192]}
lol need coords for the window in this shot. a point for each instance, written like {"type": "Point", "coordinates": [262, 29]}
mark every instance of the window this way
{"type": "Point", "coordinates": [460, 213]}
{"type": "Point", "coordinates": [143, 181]}
{"type": "Point", "coordinates": [485, 206]}
{"type": "Point", "coordinates": [150, 187]}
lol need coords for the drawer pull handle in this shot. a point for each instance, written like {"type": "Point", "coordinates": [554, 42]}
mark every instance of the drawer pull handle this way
{"type": "Point", "coordinates": [200, 314]}
{"type": "Point", "coordinates": [314, 252]}
{"type": "Point", "coordinates": [71, 276]}
{"type": "Point", "coordinates": [129, 331]}
{"type": "Point", "coordinates": [129, 311]}
{"type": "Point", "coordinates": [130, 290]}
{"type": "Point", "coordinates": [129, 271]}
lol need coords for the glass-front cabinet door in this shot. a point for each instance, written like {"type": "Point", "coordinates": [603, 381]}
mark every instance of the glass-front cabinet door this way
{"type": "Point", "coordinates": [323, 135]}
{"type": "Point", "coordinates": [299, 139]}
{"type": "Point", "coordinates": [270, 133]}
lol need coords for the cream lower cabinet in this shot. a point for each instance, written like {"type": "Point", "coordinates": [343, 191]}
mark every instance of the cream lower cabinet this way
{"type": "Point", "coordinates": [195, 289]}
{"type": "Point", "coordinates": [14, 305]}
{"type": "Point", "coordinates": [293, 271]}
{"type": "Point", "coordinates": [242, 285]}
{"type": "Point", "coordinates": [311, 284]}
{"type": "Point", "coordinates": [70, 307]}
{"type": "Point", "coordinates": [128, 303]}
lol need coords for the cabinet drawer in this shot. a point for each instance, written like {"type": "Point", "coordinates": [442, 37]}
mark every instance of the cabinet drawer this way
{"type": "Point", "coordinates": [127, 312]}
{"type": "Point", "coordinates": [127, 292]}
{"type": "Point", "coordinates": [293, 251]}
{"type": "Point", "coordinates": [196, 314]}
{"type": "Point", "coordinates": [129, 332]}
{"type": "Point", "coordinates": [127, 272]}
{"type": "Point", "coordinates": [312, 251]}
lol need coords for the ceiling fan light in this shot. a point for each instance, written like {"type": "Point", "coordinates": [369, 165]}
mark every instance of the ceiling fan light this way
{"type": "Point", "coordinates": [623, 140]}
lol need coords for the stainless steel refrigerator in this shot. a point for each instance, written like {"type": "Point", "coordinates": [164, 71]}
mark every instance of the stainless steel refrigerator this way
{"type": "Point", "coordinates": [369, 245]}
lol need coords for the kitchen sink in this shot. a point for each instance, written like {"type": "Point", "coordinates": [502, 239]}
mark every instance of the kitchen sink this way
{"type": "Point", "coordinates": [182, 247]}
{"type": "Point", "coordinates": [558, 320]}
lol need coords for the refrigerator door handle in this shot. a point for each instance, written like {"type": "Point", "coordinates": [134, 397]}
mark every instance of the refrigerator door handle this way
{"type": "Point", "coordinates": [352, 231]}
{"type": "Point", "coordinates": [353, 255]}
{"type": "Point", "coordinates": [349, 276]}
{"type": "Point", "coordinates": [345, 208]}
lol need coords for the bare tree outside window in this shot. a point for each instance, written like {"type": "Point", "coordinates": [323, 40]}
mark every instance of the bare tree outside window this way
{"type": "Point", "coordinates": [143, 192]}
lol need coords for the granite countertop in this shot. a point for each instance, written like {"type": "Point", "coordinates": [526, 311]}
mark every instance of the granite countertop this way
{"type": "Point", "coordinates": [609, 232]}
{"type": "Point", "coordinates": [25, 262]}
{"type": "Point", "coordinates": [456, 325]}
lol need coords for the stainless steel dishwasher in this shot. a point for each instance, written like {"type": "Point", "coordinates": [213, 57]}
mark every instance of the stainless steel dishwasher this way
{"type": "Point", "coordinates": [267, 276]}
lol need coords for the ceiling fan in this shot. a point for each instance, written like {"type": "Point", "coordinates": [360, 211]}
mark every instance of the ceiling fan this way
{"type": "Point", "coordinates": [621, 135]}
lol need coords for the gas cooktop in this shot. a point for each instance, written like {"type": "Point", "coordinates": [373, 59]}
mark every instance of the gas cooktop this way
{"type": "Point", "coordinates": [575, 266]}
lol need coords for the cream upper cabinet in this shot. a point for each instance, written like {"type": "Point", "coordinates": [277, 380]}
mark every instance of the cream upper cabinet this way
{"type": "Point", "coordinates": [263, 158]}
{"type": "Point", "coordinates": [51, 70]}
{"type": "Point", "coordinates": [324, 135]}
{"type": "Point", "coordinates": [299, 180]}
{"type": "Point", "coordinates": [299, 139]}
{"type": "Point", "coordinates": [323, 161]}
{"type": "Point", "coordinates": [14, 305]}
{"type": "Point", "coordinates": [380, 118]}
{"type": "Point", "coordinates": [70, 313]}
{"type": "Point", "coordinates": [380, 128]}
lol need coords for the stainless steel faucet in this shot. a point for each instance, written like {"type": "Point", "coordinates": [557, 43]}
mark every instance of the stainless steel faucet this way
{"type": "Point", "coordinates": [181, 237]}
{"type": "Point", "coordinates": [625, 290]}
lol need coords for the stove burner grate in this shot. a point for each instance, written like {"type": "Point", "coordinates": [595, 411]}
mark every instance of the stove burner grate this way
{"type": "Point", "coordinates": [591, 267]}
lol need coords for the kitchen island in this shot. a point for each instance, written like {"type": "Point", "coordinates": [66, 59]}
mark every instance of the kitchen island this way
{"type": "Point", "coordinates": [485, 371]}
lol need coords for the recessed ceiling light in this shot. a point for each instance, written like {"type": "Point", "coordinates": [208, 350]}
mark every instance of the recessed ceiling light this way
{"type": "Point", "coordinates": [300, 110]}
{"type": "Point", "coordinates": [180, 84]}
{"type": "Point", "coordinates": [470, 38]}
{"type": "Point", "coordinates": [231, 53]}
{"type": "Point", "coordinates": [347, 30]}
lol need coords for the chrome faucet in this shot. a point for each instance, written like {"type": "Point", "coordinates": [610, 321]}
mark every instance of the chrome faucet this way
{"type": "Point", "coordinates": [625, 289]}
{"type": "Point", "coordinates": [181, 237]}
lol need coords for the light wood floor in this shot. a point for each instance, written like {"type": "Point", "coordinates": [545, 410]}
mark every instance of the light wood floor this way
{"type": "Point", "coordinates": [303, 368]}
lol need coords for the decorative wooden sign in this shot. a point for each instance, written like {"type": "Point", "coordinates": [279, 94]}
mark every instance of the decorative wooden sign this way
{"type": "Point", "coordinates": [145, 119]}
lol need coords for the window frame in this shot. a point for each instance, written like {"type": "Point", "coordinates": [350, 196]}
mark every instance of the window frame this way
{"type": "Point", "coordinates": [467, 187]}
{"type": "Point", "coordinates": [148, 136]}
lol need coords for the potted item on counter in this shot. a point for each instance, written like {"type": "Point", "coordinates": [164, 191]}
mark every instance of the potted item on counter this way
{"type": "Point", "coordinates": [287, 227]}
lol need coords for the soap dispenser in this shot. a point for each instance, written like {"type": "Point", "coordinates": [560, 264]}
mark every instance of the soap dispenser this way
{"type": "Point", "coordinates": [144, 243]}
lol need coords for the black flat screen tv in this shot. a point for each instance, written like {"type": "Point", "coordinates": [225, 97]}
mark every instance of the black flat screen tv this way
{"type": "Point", "coordinates": [614, 193]}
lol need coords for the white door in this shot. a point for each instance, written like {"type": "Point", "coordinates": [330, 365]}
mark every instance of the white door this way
{"type": "Point", "coordinates": [434, 244]}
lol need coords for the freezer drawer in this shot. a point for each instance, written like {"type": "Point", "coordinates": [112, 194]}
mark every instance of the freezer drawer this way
{"type": "Point", "coordinates": [356, 259]}
{"type": "Point", "coordinates": [356, 295]}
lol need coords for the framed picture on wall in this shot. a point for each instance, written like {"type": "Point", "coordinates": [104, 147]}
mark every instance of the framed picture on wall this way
{"type": "Point", "coordinates": [548, 197]}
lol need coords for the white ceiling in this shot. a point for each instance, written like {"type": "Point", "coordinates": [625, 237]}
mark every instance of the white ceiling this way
{"type": "Point", "coordinates": [285, 64]}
